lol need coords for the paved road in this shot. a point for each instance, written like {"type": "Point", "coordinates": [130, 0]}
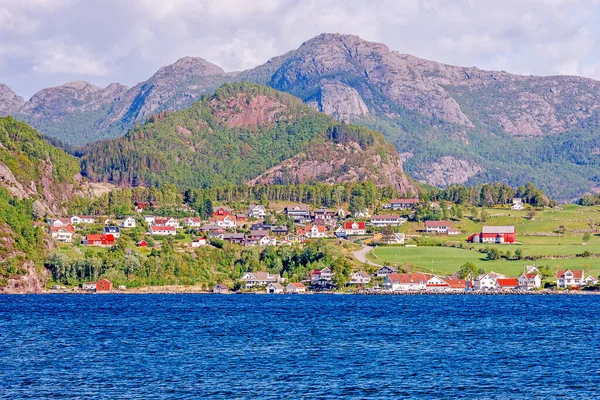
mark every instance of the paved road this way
{"type": "Point", "coordinates": [361, 256]}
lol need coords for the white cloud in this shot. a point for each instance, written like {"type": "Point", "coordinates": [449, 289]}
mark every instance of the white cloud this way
{"type": "Point", "coordinates": [126, 41]}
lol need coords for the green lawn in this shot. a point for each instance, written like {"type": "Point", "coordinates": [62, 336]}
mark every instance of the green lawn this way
{"type": "Point", "coordinates": [447, 260]}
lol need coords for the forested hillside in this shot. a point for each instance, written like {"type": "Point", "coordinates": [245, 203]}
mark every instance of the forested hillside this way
{"type": "Point", "coordinates": [236, 135]}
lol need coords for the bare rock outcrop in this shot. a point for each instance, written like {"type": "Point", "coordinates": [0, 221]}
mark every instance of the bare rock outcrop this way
{"type": "Point", "coordinates": [448, 170]}
{"type": "Point", "coordinates": [10, 103]}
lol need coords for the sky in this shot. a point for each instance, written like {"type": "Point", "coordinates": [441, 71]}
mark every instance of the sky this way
{"type": "Point", "coordinates": [47, 43]}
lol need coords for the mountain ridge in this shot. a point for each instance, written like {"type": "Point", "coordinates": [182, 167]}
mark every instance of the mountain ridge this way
{"type": "Point", "coordinates": [450, 124]}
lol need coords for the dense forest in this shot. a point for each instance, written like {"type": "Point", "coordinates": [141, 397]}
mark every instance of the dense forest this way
{"type": "Point", "coordinates": [20, 240]}
{"type": "Point", "coordinates": [26, 154]}
{"type": "Point", "coordinates": [205, 266]}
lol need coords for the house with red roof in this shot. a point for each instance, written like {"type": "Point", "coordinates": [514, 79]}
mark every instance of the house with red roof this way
{"type": "Point", "coordinates": [386, 220]}
{"type": "Point", "coordinates": [228, 221]}
{"type": "Point", "coordinates": [63, 234]}
{"type": "Point", "coordinates": [507, 283]}
{"type": "Point", "coordinates": [99, 240]}
{"type": "Point", "coordinates": [530, 281]}
{"type": "Point", "coordinates": [221, 211]}
{"type": "Point", "coordinates": [406, 282]}
{"type": "Point", "coordinates": [569, 278]}
{"type": "Point", "coordinates": [355, 228]}
{"type": "Point", "coordinates": [193, 222]}
{"type": "Point", "coordinates": [312, 231]}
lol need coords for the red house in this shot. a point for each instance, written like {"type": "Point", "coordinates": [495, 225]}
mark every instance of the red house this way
{"type": "Point", "coordinates": [100, 240]}
{"type": "Point", "coordinates": [142, 243]}
{"type": "Point", "coordinates": [220, 211]}
{"type": "Point", "coordinates": [495, 234]}
{"type": "Point", "coordinates": [103, 285]}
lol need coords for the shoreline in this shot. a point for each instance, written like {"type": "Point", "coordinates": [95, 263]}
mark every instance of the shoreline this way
{"type": "Point", "coordinates": [150, 291]}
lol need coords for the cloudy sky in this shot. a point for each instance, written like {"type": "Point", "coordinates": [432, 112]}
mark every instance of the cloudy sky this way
{"type": "Point", "coordinates": [49, 42]}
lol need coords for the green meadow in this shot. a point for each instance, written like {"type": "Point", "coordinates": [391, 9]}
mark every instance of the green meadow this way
{"type": "Point", "coordinates": [539, 237]}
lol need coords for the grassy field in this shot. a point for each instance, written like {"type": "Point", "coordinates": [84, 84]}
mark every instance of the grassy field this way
{"type": "Point", "coordinates": [445, 260]}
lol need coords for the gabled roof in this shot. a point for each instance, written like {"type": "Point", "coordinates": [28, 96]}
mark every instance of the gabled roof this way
{"type": "Point", "coordinates": [359, 225]}
{"type": "Point", "coordinates": [577, 273]}
{"type": "Point", "coordinates": [163, 228]}
{"type": "Point", "coordinates": [507, 282]}
{"type": "Point", "coordinates": [275, 285]}
{"type": "Point", "coordinates": [362, 274]}
{"type": "Point", "coordinates": [298, 285]}
{"type": "Point", "coordinates": [437, 224]}
{"type": "Point", "coordinates": [408, 278]}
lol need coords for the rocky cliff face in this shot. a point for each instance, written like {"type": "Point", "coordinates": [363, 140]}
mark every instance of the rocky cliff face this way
{"type": "Point", "coordinates": [173, 87]}
{"type": "Point", "coordinates": [10, 103]}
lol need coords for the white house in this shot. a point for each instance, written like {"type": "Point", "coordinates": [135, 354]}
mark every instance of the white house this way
{"type": "Point", "coordinates": [267, 241]}
{"type": "Point", "coordinates": [63, 233]}
{"type": "Point", "coordinates": [530, 281]}
{"type": "Point", "coordinates": [405, 282]}
{"type": "Point", "coordinates": [517, 204]}
{"type": "Point", "coordinates": [199, 242]}
{"type": "Point", "coordinates": [354, 228]}
{"type": "Point", "coordinates": [275, 288]}
{"type": "Point", "coordinates": [385, 271]}
{"type": "Point", "coordinates": [162, 231]}
{"type": "Point", "coordinates": [568, 278]}
{"type": "Point", "coordinates": [257, 211]}
{"type": "Point", "coordinates": [89, 286]}
{"type": "Point", "coordinates": [313, 231]}
{"type": "Point", "coordinates": [362, 213]}
{"type": "Point", "coordinates": [436, 284]}
{"type": "Point", "coordinates": [295, 288]}
{"type": "Point", "coordinates": [443, 227]}
{"type": "Point", "coordinates": [112, 230]}
{"type": "Point", "coordinates": [396, 238]}
{"type": "Point", "coordinates": [129, 222]}
{"type": "Point", "coordinates": [82, 219]}
{"type": "Point", "coordinates": [227, 221]}
{"type": "Point", "coordinates": [386, 220]}
{"type": "Point", "coordinates": [193, 222]}
{"type": "Point", "coordinates": [252, 279]}
{"type": "Point", "coordinates": [360, 278]}
{"type": "Point", "coordinates": [149, 219]}
{"type": "Point", "coordinates": [590, 280]}
{"type": "Point", "coordinates": [169, 221]}
{"type": "Point", "coordinates": [487, 281]}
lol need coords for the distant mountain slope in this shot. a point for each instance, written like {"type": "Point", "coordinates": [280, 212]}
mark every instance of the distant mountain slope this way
{"type": "Point", "coordinates": [235, 136]}
{"type": "Point", "coordinates": [450, 124]}
{"type": "Point", "coordinates": [10, 103]}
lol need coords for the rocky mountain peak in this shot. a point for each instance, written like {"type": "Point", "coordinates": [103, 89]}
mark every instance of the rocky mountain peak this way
{"type": "Point", "coordinates": [188, 66]}
{"type": "Point", "coordinates": [9, 101]}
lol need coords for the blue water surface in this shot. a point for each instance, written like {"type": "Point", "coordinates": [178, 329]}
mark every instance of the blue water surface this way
{"type": "Point", "coordinates": [313, 346]}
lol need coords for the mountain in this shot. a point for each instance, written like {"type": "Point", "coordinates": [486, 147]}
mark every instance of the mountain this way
{"type": "Point", "coordinates": [32, 169]}
{"type": "Point", "coordinates": [245, 133]}
{"type": "Point", "coordinates": [9, 102]}
{"type": "Point", "coordinates": [450, 124]}
{"type": "Point", "coordinates": [34, 180]}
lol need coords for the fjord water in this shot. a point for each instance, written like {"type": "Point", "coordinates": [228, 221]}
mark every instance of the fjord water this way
{"type": "Point", "coordinates": [241, 346]}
